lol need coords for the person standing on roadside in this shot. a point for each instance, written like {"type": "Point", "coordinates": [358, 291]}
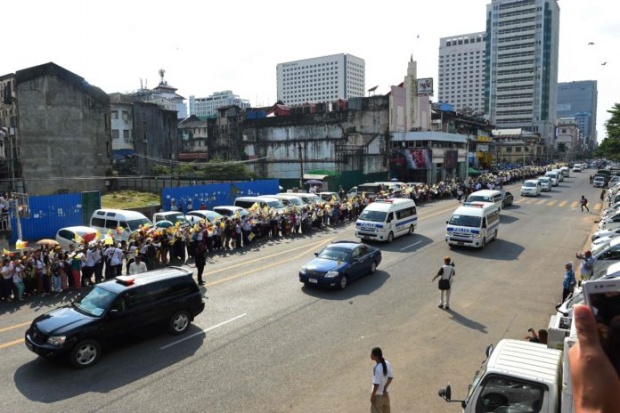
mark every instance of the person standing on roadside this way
{"type": "Point", "coordinates": [584, 203]}
{"type": "Point", "coordinates": [446, 274]}
{"type": "Point", "coordinates": [569, 281]}
{"type": "Point", "coordinates": [587, 265]}
{"type": "Point", "coordinates": [382, 376]}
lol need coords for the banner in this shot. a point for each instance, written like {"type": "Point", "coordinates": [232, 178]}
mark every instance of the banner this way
{"type": "Point", "coordinates": [411, 158]}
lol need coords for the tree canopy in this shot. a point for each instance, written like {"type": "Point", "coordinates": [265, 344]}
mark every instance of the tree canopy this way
{"type": "Point", "coordinates": [610, 147]}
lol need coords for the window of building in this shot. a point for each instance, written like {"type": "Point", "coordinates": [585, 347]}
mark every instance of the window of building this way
{"type": "Point", "coordinates": [115, 134]}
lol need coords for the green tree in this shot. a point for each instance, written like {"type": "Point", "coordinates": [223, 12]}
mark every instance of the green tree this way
{"type": "Point", "coordinates": [610, 147]}
{"type": "Point", "coordinates": [613, 124]}
{"type": "Point", "coordinates": [562, 147]}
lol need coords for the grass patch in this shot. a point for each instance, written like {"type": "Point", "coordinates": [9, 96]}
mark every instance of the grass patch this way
{"type": "Point", "coordinates": [129, 199]}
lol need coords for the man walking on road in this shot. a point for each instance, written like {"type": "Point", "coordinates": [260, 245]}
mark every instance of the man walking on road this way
{"type": "Point", "coordinates": [382, 376]}
{"type": "Point", "coordinates": [446, 273]}
{"type": "Point", "coordinates": [584, 203]}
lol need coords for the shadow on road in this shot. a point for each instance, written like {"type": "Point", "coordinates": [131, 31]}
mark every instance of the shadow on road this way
{"type": "Point", "coordinates": [48, 381]}
{"type": "Point", "coordinates": [499, 249]}
{"type": "Point", "coordinates": [505, 219]}
{"type": "Point", "coordinates": [467, 322]}
{"type": "Point", "coordinates": [363, 286]}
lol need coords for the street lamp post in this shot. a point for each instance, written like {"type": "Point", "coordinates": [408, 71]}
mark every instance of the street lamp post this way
{"type": "Point", "coordinates": [301, 166]}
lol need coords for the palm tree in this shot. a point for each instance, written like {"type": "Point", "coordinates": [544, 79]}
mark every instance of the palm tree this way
{"type": "Point", "coordinates": [562, 147]}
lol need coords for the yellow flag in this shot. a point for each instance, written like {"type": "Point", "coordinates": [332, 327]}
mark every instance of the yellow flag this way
{"type": "Point", "coordinates": [20, 245]}
{"type": "Point", "coordinates": [251, 236]}
{"type": "Point", "coordinates": [334, 198]}
{"type": "Point", "coordinates": [5, 251]}
{"type": "Point", "coordinates": [78, 239]}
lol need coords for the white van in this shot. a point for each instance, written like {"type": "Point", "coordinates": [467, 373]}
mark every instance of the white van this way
{"type": "Point", "coordinates": [111, 219]}
{"type": "Point", "coordinates": [263, 202]}
{"type": "Point", "coordinates": [555, 179]}
{"type": "Point", "coordinates": [386, 219]}
{"type": "Point", "coordinates": [473, 225]}
{"type": "Point", "coordinates": [565, 171]}
{"type": "Point", "coordinates": [489, 196]}
{"type": "Point", "coordinates": [560, 174]}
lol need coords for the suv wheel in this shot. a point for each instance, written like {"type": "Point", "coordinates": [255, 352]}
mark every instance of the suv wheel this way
{"type": "Point", "coordinates": [179, 323]}
{"type": "Point", "coordinates": [85, 354]}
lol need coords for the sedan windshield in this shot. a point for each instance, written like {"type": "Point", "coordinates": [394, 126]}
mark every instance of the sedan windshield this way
{"type": "Point", "coordinates": [374, 216]}
{"type": "Point", "coordinates": [465, 221]}
{"type": "Point", "coordinates": [95, 302]}
{"type": "Point", "coordinates": [335, 254]}
{"type": "Point", "coordinates": [529, 184]}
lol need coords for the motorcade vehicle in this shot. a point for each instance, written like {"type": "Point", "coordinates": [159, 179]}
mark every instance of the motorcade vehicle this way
{"type": "Point", "coordinates": [531, 187]}
{"type": "Point", "coordinates": [124, 222]}
{"type": "Point", "coordinates": [560, 174]}
{"type": "Point", "coordinates": [565, 171]}
{"type": "Point", "coordinates": [386, 219]}
{"type": "Point", "coordinates": [599, 181]}
{"type": "Point", "coordinates": [172, 216]}
{"type": "Point", "coordinates": [76, 236]}
{"type": "Point", "coordinates": [474, 224]}
{"type": "Point", "coordinates": [577, 168]}
{"type": "Point", "coordinates": [340, 263]}
{"type": "Point", "coordinates": [555, 180]}
{"type": "Point", "coordinates": [167, 298]}
{"type": "Point", "coordinates": [490, 196]}
{"type": "Point", "coordinates": [230, 211]}
{"type": "Point", "coordinates": [194, 217]}
{"type": "Point", "coordinates": [545, 183]}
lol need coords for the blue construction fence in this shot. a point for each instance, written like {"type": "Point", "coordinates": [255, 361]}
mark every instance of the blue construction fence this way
{"type": "Point", "coordinates": [211, 195]}
{"type": "Point", "coordinates": [49, 213]}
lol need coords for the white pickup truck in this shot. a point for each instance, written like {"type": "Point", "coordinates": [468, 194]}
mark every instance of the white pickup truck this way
{"type": "Point", "coordinates": [519, 376]}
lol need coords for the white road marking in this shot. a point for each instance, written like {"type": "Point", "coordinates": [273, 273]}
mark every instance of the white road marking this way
{"type": "Point", "coordinates": [203, 331]}
{"type": "Point", "coordinates": [409, 246]}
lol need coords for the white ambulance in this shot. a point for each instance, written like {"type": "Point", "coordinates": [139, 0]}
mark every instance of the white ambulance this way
{"type": "Point", "coordinates": [473, 225]}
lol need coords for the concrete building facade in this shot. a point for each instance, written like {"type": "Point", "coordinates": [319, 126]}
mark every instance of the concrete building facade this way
{"type": "Point", "coordinates": [61, 132]}
{"type": "Point", "coordinates": [321, 79]}
{"type": "Point", "coordinates": [163, 95]}
{"type": "Point", "coordinates": [568, 142]}
{"type": "Point", "coordinates": [209, 105]}
{"type": "Point", "coordinates": [121, 119]}
{"type": "Point", "coordinates": [522, 65]}
{"type": "Point", "coordinates": [579, 100]}
{"type": "Point", "coordinates": [462, 70]}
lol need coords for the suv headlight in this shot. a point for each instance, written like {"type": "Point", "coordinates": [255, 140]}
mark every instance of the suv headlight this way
{"type": "Point", "coordinates": [302, 271]}
{"type": "Point", "coordinates": [56, 340]}
{"type": "Point", "coordinates": [332, 274]}
{"type": "Point", "coordinates": [477, 236]}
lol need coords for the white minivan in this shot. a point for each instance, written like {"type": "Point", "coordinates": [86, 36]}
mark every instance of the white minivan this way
{"type": "Point", "coordinates": [555, 179]}
{"type": "Point", "coordinates": [113, 219]}
{"type": "Point", "coordinates": [473, 225]}
{"type": "Point", "coordinates": [386, 219]}
{"type": "Point", "coordinates": [490, 196]}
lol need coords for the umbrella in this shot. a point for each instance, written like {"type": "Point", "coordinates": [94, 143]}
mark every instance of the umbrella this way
{"type": "Point", "coordinates": [313, 182]}
{"type": "Point", "coordinates": [48, 242]}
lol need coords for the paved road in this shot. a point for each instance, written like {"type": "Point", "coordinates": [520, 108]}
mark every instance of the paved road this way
{"type": "Point", "coordinates": [265, 344]}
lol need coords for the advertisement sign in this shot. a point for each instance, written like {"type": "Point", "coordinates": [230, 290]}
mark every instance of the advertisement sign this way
{"type": "Point", "coordinates": [451, 159]}
{"type": "Point", "coordinates": [425, 86]}
{"type": "Point", "coordinates": [411, 158]}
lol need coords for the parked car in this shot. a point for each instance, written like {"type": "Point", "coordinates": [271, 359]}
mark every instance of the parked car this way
{"type": "Point", "coordinates": [75, 236]}
{"type": "Point", "coordinates": [340, 263]}
{"type": "Point", "coordinates": [230, 211]}
{"type": "Point", "coordinates": [531, 187]}
{"type": "Point", "coordinates": [599, 181]}
{"type": "Point", "coordinates": [171, 216]}
{"type": "Point", "coordinates": [168, 298]}
{"type": "Point", "coordinates": [604, 233]}
{"type": "Point", "coordinates": [195, 216]}
{"type": "Point", "coordinates": [606, 254]}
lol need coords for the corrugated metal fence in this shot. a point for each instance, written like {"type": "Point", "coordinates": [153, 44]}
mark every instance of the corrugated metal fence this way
{"type": "Point", "coordinates": [215, 194]}
{"type": "Point", "coordinates": [51, 212]}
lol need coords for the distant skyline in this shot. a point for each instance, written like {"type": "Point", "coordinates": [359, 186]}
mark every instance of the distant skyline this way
{"type": "Point", "coordinates": [207, 47]}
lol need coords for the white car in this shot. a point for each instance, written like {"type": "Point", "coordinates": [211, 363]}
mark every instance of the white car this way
{"type": "Point", "coordinates": [602, 241]}
{"type": "Point", "coordinates": [577, 168]}
{"type": "Point", "coordinates": [75, 236]}
{"type": "Point", "coordinates": [545, 183]}
{"type": "Point", "coordinates": [195, 216]}
{"type": "Point", "coordinates": [531, 187]}
{"type": "Point", "coordinates": [604, 233]}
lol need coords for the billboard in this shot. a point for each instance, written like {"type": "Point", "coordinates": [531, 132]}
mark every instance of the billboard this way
{"type": "Point", "coordinates": [425, 86]}
{"type": "Point", "coordinates": [451, 158]}
{"type": "Point", "coordinates": [411, 158]}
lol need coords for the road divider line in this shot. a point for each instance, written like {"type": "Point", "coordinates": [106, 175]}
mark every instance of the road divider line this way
{"type": "Point", "coordinates": [409, 246]}
{"type": "Point", "coordinates": [551, 203]}
{"type": "Point", "coordinates": [542, 201]}
{"type": "Point", "coordinates": [562, 204]}
{"type": "Point", "coordinates": [206, 330]}
{"type": "Point", "coordinates": [13, 327]}
{"type": "Point", "coordinates": [232, 277]}
{"type": "Point", "coordinates": [11, 343]}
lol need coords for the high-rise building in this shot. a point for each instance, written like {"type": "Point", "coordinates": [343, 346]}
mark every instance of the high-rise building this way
{"type": "Point", "coordinates": [579, 100]}
{"type": "Point", "coordinates": [209, 105]}
{"type": "Point", "coordinates": [522, 65]}
{"type": "Point", "coordinates": [321, 79]}
{"type": "Point", "coordinates": [461, 71]}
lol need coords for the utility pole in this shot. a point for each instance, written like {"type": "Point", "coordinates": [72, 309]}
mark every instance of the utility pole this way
{"type": "Point", "coordinates": [301, 166]}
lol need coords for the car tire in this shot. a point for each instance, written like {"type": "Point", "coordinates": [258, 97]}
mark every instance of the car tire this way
{"type": "Point", "coordinates": [343, 282]}
{"type": "Point", "coordinates": [179, 322]}
{"type": "Point", "coordinates": [85, 353]}
{"type": "Point", "coordinates": [411, 230]}
{"type": "Point", "coordinates": [390, 237]}
{"type": "Point", "coordinates": [373, 267]}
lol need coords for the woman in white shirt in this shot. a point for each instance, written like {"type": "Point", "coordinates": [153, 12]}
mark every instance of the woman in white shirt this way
{"type": "Point", "coordinates": [18, 269]}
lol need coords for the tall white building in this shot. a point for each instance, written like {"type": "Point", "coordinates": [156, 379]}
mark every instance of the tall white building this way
{"type": "Point", "coordinates": [522, 65]}
{"type": "Point", "coordinates": [210, 104]}
{"type": "Point", "coordinates": [321, 79]}
{"type": "Point", "coordinates": [461, 71]}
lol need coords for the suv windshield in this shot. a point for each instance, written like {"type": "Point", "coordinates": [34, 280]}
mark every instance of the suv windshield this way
{"type": "Point", "coordinates": [465, 221]}
{"type": "Point", "coordinates": [95, 302]}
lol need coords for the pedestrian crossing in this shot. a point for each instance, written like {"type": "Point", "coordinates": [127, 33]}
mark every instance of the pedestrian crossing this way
{"type": "Point", "coordinates": [555, 203]}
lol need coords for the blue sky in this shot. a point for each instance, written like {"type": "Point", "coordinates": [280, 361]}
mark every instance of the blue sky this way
{"type": "Point", "coordinates": [208, 46]}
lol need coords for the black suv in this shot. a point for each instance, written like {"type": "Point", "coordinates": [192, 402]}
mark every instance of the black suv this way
{"type": "Point", "coordinates": [168, 296]}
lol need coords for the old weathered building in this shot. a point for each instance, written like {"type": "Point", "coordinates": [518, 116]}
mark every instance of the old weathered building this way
{"type": "Point", "coordinates": [155, 136]}
{"type": "Point", "coordinates": [61, 133]}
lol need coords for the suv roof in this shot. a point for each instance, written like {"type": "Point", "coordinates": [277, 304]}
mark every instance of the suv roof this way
{"type": "Point", "coordinates": [124, 282]}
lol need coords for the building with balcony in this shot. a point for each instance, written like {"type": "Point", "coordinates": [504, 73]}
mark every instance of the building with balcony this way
{"type": "Point", "coordinates": [568, 142]}
{"type": "Point", "coordinates": [522, 65]}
